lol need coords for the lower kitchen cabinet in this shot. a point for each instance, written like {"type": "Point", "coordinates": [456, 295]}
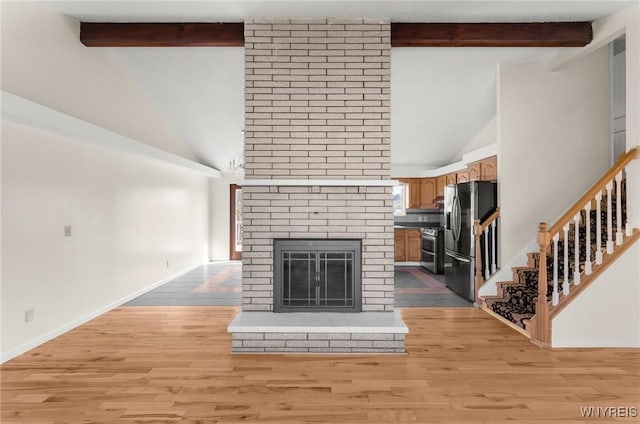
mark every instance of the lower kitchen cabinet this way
{"type": "Point", "coordinates": [413, 245]}
{"type": "Point", "coordinates": [400, 238]}
{"type": "Point", "coordinates": [407, 244]}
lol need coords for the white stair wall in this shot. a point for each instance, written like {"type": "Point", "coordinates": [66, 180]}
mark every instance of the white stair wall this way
{"type": "Point", "coordinates": [607, 313]}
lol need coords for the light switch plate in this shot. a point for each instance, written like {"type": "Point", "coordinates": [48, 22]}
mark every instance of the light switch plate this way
{"type": "Point", "coordinates": [67, 231]}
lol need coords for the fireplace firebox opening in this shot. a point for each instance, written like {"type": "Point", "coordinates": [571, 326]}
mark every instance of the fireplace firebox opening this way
{"type": "Point", "coordinates": [317, 275]}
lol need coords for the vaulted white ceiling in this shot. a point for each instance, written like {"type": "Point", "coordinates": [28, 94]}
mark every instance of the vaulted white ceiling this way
{"type": "Point", "coordinates": [199, 90]}
{"type": "Point", "coordinates": [441, 97]}
{"type": "Point", "coordinates": [397, 10]}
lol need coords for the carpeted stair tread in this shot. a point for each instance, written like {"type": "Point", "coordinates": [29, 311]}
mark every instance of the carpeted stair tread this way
{"type": "Point", "coordinates": [515, 315]}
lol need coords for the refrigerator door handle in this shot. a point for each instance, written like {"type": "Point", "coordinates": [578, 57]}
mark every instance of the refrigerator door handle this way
{"type": "Point", "coordinates": [458, 258]}
{"type": "Point", "coordinates": [458, 217]}
{"type": "Point", "coordinates": [453, 217]}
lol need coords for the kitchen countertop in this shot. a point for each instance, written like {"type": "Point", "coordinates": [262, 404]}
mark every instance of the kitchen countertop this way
{"type": "Point", "coordinates": [416, 225]}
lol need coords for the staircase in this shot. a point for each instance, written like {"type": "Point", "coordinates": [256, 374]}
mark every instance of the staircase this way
{"type": "Point", "coordinates": [573, 252]}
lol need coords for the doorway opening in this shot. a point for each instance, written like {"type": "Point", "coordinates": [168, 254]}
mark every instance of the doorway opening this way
{"type": "Point", "coordinates": [235, 222]}
{"type": "Point", "coordinates": [618, 97]}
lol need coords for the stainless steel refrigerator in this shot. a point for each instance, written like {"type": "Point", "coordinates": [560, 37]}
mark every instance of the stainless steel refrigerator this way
{"type": "Point", "coordinates": [463, 204]}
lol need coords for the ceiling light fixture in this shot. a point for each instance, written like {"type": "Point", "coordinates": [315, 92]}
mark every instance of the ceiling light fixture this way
{"type": "Point", "coordinates": [236, 164]}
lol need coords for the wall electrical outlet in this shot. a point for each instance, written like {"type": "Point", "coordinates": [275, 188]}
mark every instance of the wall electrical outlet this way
{"type": "Point", "coordinates": [67, 230]}
{"type": "Point", "coordinates": [167, 264]}
{"type": "Point", "coordinates": [28, 315]}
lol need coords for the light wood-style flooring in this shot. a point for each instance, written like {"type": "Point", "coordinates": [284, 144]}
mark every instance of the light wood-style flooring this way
{"type": "Point", "coordinates": [172, 364]}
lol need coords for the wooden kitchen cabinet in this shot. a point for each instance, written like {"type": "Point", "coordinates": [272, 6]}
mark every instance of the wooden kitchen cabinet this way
{"type": "Point", "coordinates": [407, 245]}
{"type": "Point", "coordinates": [414, 245]}
{"type": "Point", "coordinates": [427, 193]}
{"type": "Point", "coordinates": [422, 192]}
{"type": "Point", "coordinates": [475, 171]}
{"type": "Point", "coordinates": [462, 176]}
{"type": "Point", "coordinates": [415, 193]}
{"type": "Point", "coordinates": [400, 238]}
{"type": "Point", "coordinates": [441, 183]}
{"type": "Point", "coordinates": [451, 178]}
{"type": "Point", "coordinates": [489, 169]}
{"type": "Point", "coordinates": [483, 170]}
{"type": "Point", "coordinates": [412, 192]}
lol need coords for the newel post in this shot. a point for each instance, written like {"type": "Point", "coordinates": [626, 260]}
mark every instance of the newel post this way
{"type": "Point", "coordinates": [478, 279]}
{"type": "Point", "coordinates": [541, 331]}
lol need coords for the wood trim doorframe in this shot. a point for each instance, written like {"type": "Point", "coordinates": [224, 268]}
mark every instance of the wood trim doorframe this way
{"type": "Point", "coordinates": [234, 255]}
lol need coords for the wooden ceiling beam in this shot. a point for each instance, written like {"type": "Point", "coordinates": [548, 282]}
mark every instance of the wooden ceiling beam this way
{"type": "Point", "coordinates": [99, 34]}
{"type": "Point", "coordinates": [529, 34]}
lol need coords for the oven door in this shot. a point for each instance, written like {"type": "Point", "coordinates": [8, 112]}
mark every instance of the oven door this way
{"type": "Point", "coordinates": [428, 257]}
{"type": "Point", "coordinates": [428, 243]}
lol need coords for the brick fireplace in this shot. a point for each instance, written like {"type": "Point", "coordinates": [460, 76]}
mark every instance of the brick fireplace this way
{"type": "Point", "coordinates": [317, 166]}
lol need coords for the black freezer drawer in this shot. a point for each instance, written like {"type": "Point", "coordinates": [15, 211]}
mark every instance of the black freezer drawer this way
{"type": "Point", "coordinates": [458, 274]}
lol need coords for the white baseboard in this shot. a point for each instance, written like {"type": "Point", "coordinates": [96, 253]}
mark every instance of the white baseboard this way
{"type": "Point", "coordinates": [6, 356]}
{"type": "Point", "coordinates": [596, 343]}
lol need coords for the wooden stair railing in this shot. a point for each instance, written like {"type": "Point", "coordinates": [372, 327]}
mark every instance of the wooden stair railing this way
{"type": "Point", "coordinates": [548, 239]}
{"type": "Point", "coordinates": [488, 226]}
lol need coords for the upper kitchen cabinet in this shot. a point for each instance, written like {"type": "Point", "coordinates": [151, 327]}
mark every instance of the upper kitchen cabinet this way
{"type": "Point", "coordinates": [411, 193]}
{"type": "Point", "coordinates": [475, 171]}
{"type": "Point", "coordinates": [462, 176]}
{"type": "Point", "coordinates": [415, 193]}
{"type": "Point", "coordinates": [483, 170]}
{"type": "Point", "coordinates": [489, 169]}
{"type": "Point", "coordinates": [441, 183]}
{"type": "Point", "coordinates": [451, 178]}
{"type": "Point", "coordinates": [428, 191]}
{"type": "Point", "coordinates": [422, 192]}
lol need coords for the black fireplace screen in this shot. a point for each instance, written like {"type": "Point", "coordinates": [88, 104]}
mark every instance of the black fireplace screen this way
{"type": "Point", "coordinates": [317, 275]}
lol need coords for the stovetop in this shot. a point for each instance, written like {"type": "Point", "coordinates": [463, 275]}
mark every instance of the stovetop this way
{"type": "Point", "coordinates": [431, 231]}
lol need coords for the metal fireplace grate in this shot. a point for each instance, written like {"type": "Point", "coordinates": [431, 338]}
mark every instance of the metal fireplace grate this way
{"type": "Point", "coordinates": [317, 275]}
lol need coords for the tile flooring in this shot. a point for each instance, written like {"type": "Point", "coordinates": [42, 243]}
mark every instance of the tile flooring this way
{"type": "Point", "coordinates": [213, 284]}
{"type": "Point", "coordinates": [417, 287]}
{"type": "Point", "coordinates": [219, 284]}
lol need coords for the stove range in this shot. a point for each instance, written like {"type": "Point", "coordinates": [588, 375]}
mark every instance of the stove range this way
{"type": "Point", "coordinates": [432, 254]}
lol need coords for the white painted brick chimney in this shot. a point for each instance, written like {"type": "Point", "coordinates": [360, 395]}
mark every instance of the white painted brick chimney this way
{"type": "Point", "coordinates": [317, 95]}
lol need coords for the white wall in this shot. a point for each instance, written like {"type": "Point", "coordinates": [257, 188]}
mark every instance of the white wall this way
{"type": "Point", "coordinates": [553, 134]}
{"type": "Point", "coordinates": [612, 305]}
{"type": "Point", "coordinates": [128, 217]}
{"type": "Point", "coordinates": [606, 313]}
{"type": "Point", "coordinates": [44, 61]}
{"type": "Point", "coordinates": [605, 30]}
